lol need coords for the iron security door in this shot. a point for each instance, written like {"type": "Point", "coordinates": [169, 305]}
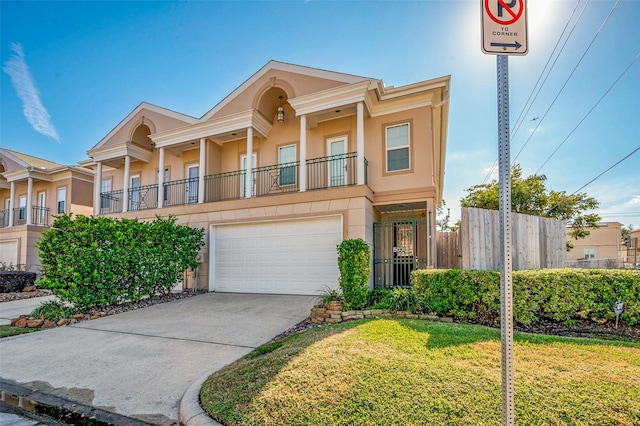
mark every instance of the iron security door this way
{"type": "Point", "coordinates": [399, 248]}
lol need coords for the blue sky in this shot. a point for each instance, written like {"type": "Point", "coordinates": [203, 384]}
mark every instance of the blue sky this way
{"type": "Point", "coordinates": [72, 70]}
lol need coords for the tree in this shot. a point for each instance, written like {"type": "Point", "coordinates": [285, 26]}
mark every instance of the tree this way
{"type": "Point", "coordinates": [443, 214]}
{"type": "Point", "coordinates": [626, 235]}
{"type": "Point", "coordinates": [530, 196]}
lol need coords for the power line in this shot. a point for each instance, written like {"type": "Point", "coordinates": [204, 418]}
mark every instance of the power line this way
{"type": "Point", "coordinates": [568, 78]}
{"type": "Point", "coordinates": [588, 113]}
{"type": "Point", "coordinates": [523, 112]}
{"type": "Point", "coordinates": [595, 178]}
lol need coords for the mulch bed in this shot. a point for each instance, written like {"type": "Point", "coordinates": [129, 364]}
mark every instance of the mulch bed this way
{"type": "Point", "coordinates": [7, 297]}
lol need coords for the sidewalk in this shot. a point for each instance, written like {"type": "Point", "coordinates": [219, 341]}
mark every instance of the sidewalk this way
{"type": "Point", "coordinates": [15, 308]}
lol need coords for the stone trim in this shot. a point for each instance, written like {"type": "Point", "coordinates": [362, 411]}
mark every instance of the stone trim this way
{"type": "Point", "coordinates": [321, 315]}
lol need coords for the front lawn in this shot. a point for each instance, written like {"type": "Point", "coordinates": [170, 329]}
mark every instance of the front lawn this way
{"type": "Point", "coordinates": [413, 372]}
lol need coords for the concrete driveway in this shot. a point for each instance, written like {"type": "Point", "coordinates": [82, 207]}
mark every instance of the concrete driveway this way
{"type": "Point", "coordinates": [139, 363]}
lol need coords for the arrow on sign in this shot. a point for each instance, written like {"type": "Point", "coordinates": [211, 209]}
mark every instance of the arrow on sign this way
{"type": "Point", "coordinates": [516, 45]}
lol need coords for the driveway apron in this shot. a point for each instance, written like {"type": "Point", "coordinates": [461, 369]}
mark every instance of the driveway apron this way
{"type": "Point", "coordinates": [140, 363]}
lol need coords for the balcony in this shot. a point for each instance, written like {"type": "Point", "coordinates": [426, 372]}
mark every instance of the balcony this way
{"type": "Point", "coordinates": [322, 173]}
{"type": "Point", "coordinates": [39, 216]}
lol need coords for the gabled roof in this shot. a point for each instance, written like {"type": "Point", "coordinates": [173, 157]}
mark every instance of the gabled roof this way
{"type": "Point", "coordinates": [292, 68]}
{"type": "Point", "coordinates": [30, 161]}
{"type": "Point", "coordinates": [149, 107]}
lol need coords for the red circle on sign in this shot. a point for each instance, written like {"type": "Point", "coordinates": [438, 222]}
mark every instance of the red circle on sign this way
{"type": "Point", "coordinates": [507, 22]}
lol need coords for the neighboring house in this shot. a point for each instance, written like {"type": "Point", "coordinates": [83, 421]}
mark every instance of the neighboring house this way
{"type": "Point", "coordinates": [602, 248]}
{"type": "Point", "coordinates": [633, 249]}
{"type": "Point", "coordinates": [32, 190]}
{"type": "Point", "coordinates": [284, 168]}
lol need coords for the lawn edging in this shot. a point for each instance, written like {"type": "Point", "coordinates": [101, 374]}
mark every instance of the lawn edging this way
{"type": "Point", "coordinates": [320, 315]}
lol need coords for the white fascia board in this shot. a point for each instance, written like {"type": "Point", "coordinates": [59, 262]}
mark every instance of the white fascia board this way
{"type": "Point", "coordinates": [24, 174]}
{"type": "Point", "coordinates": [218, 126]}
{"type": "Point", "coordinates": [286, 67]}
{"type": "Point", "coordinates": [330, 98]}
{"type": "Point", "coordinates": [409, 89]}
{"type": "Point", "coordinates": [149, 107]}
{"type": "Point", "coordinates": [120, 151]}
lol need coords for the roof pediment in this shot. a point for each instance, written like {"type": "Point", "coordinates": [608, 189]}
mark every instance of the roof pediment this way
{"type": "Point", "coordinates": [155, 117]}
{"type": "Point", "coordinates": [294, 80]}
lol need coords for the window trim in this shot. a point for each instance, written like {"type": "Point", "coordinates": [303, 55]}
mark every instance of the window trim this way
{"type": "Point", "coordinates": [280, 168]}
{"type": "Point", "coordinates": [64, 202]}
{"type": "Point", "coordinates": [385, 150]}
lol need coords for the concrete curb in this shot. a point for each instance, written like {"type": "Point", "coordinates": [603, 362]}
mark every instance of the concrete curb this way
{"type": "Point", "coordinates": [190, 413]}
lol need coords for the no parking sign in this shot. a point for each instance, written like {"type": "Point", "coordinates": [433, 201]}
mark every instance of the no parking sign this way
{"type": "Point", "coordinates": [504, 27]}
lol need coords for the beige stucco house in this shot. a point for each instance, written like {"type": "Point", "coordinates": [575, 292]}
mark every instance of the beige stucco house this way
{"type": "Point", "coordinates": [32, 190]}
{"type": "Point", "coordinates": [633, 249]}
{"type": "Point", "coordinates": [284, 168]}
{"type": "Point", "coordinates": [602, 248]}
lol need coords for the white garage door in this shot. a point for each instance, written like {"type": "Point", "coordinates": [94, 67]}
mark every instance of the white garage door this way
{"type": "Point", "coordinates": [283, 257]}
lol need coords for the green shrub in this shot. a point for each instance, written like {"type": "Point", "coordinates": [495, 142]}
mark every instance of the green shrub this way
{"type": "Point", "coordinates": [403, 299]}
{"type": "Point", "coordinates": [94, 262]}
{"type": "Point", "coordinates": [379, 298]}
{"type": "Point", "coordinates": [354, 262]}
{"type": "Point", "coordinates": [561, 295]}
{"type": "Point", "coordinates": [54, 310]}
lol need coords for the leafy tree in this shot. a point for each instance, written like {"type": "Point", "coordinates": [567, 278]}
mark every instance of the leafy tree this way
{"type": "Point", "coordinates": [443, 214]}
{"type": "Point", "coordinates": [530, 196]}
{"type": "Point", "coordinates": [626, 235]}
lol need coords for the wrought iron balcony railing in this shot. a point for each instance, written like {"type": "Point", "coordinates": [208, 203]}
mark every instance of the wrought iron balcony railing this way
{"type": "Point", "coordinates": [322, 173]}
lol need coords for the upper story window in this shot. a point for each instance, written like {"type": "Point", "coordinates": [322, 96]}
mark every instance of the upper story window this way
{"type": "Point", "coordinates": [287, 155]}
{"type": "Point", "coordinates": [105, 187]}
{"type": "Point", "coordinates": [62, 197]}
{"type": "Point", "coordinates": [397, 147]}
{"type": "Point", "coordinates": [590, 253]}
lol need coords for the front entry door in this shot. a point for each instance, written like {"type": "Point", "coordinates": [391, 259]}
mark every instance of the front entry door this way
{"type": "Point", "coordinates": [399, 247]}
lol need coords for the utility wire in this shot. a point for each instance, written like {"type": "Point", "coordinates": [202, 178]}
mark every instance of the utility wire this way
{"type": "Point", "coordinates": [523, 112]}
{"type": "Point", "coordinates": [588, 113]}
{"type": "Point", "coordinates": [597, 177]}
{"type": "Point", "coordinates": [568, 78]}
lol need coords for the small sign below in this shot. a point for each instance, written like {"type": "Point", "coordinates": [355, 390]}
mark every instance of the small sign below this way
{"type": "Point", "coordinates": [504, 27]}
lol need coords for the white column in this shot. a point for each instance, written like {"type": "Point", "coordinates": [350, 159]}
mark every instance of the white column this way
{"type": "Point", "coordinates": [303, 154]}
{"type": "Point", "coordinates": [12, 202]}
{"type": "Point", "coordinates": [97, 189]}
{"type": "Point", "coordinates": [360, 142]}
{"type": "Point", "coordinates": [161, 179]}
{"type": "Point", "coordinates": [201, 170]}
{"type": "Point", "coordinates": [29, 205]}
{"type": "Point", "coordinates": [248, 181]}
{"type": "Point", "coordinates": [125, 187]}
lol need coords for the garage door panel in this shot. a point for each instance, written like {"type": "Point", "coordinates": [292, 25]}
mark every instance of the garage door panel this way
{"type": "Point", "coordinates": [286, 257]}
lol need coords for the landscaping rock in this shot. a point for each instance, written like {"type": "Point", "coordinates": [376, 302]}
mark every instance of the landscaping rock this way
{"type": "Point", "coordinates": [29, 289]}
{"type": "Point", "coordinates": [63, 321]}
{"type": "Point", "coordinates": [48, 324]}
{"type": "Point", "coordinates": [35, 323]}
{"type": "Point", "coordinates": [20, 322]}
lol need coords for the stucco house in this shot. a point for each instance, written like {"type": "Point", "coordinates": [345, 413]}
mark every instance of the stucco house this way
{"type": "Point", "coordinates": [32, 190]}
{"type": "Point", "coordinates": [284, 168]}
{"type": "Point", "coordinates": [602, 248]}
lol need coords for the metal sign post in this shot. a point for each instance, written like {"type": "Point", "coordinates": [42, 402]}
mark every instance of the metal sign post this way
{"type": "Point", "coordinates": [504, 33]}
{"type": "Point", "coordinates": [506, 288]}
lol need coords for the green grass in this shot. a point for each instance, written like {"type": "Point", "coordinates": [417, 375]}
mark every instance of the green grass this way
{"type": "Point", "coordinates": [412, 372]}
{"type": "Point", "coordinates": [9, 330]}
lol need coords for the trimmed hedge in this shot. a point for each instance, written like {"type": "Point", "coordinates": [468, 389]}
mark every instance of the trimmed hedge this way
{"type": "Point", "coordinates": [559, 295]}
{"type": "Point", "coordinates": [354, 262]}
{"type": "Point", "coordinates": [11, 281]}
{"type": "Point", "coordinates": [94, 262]}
